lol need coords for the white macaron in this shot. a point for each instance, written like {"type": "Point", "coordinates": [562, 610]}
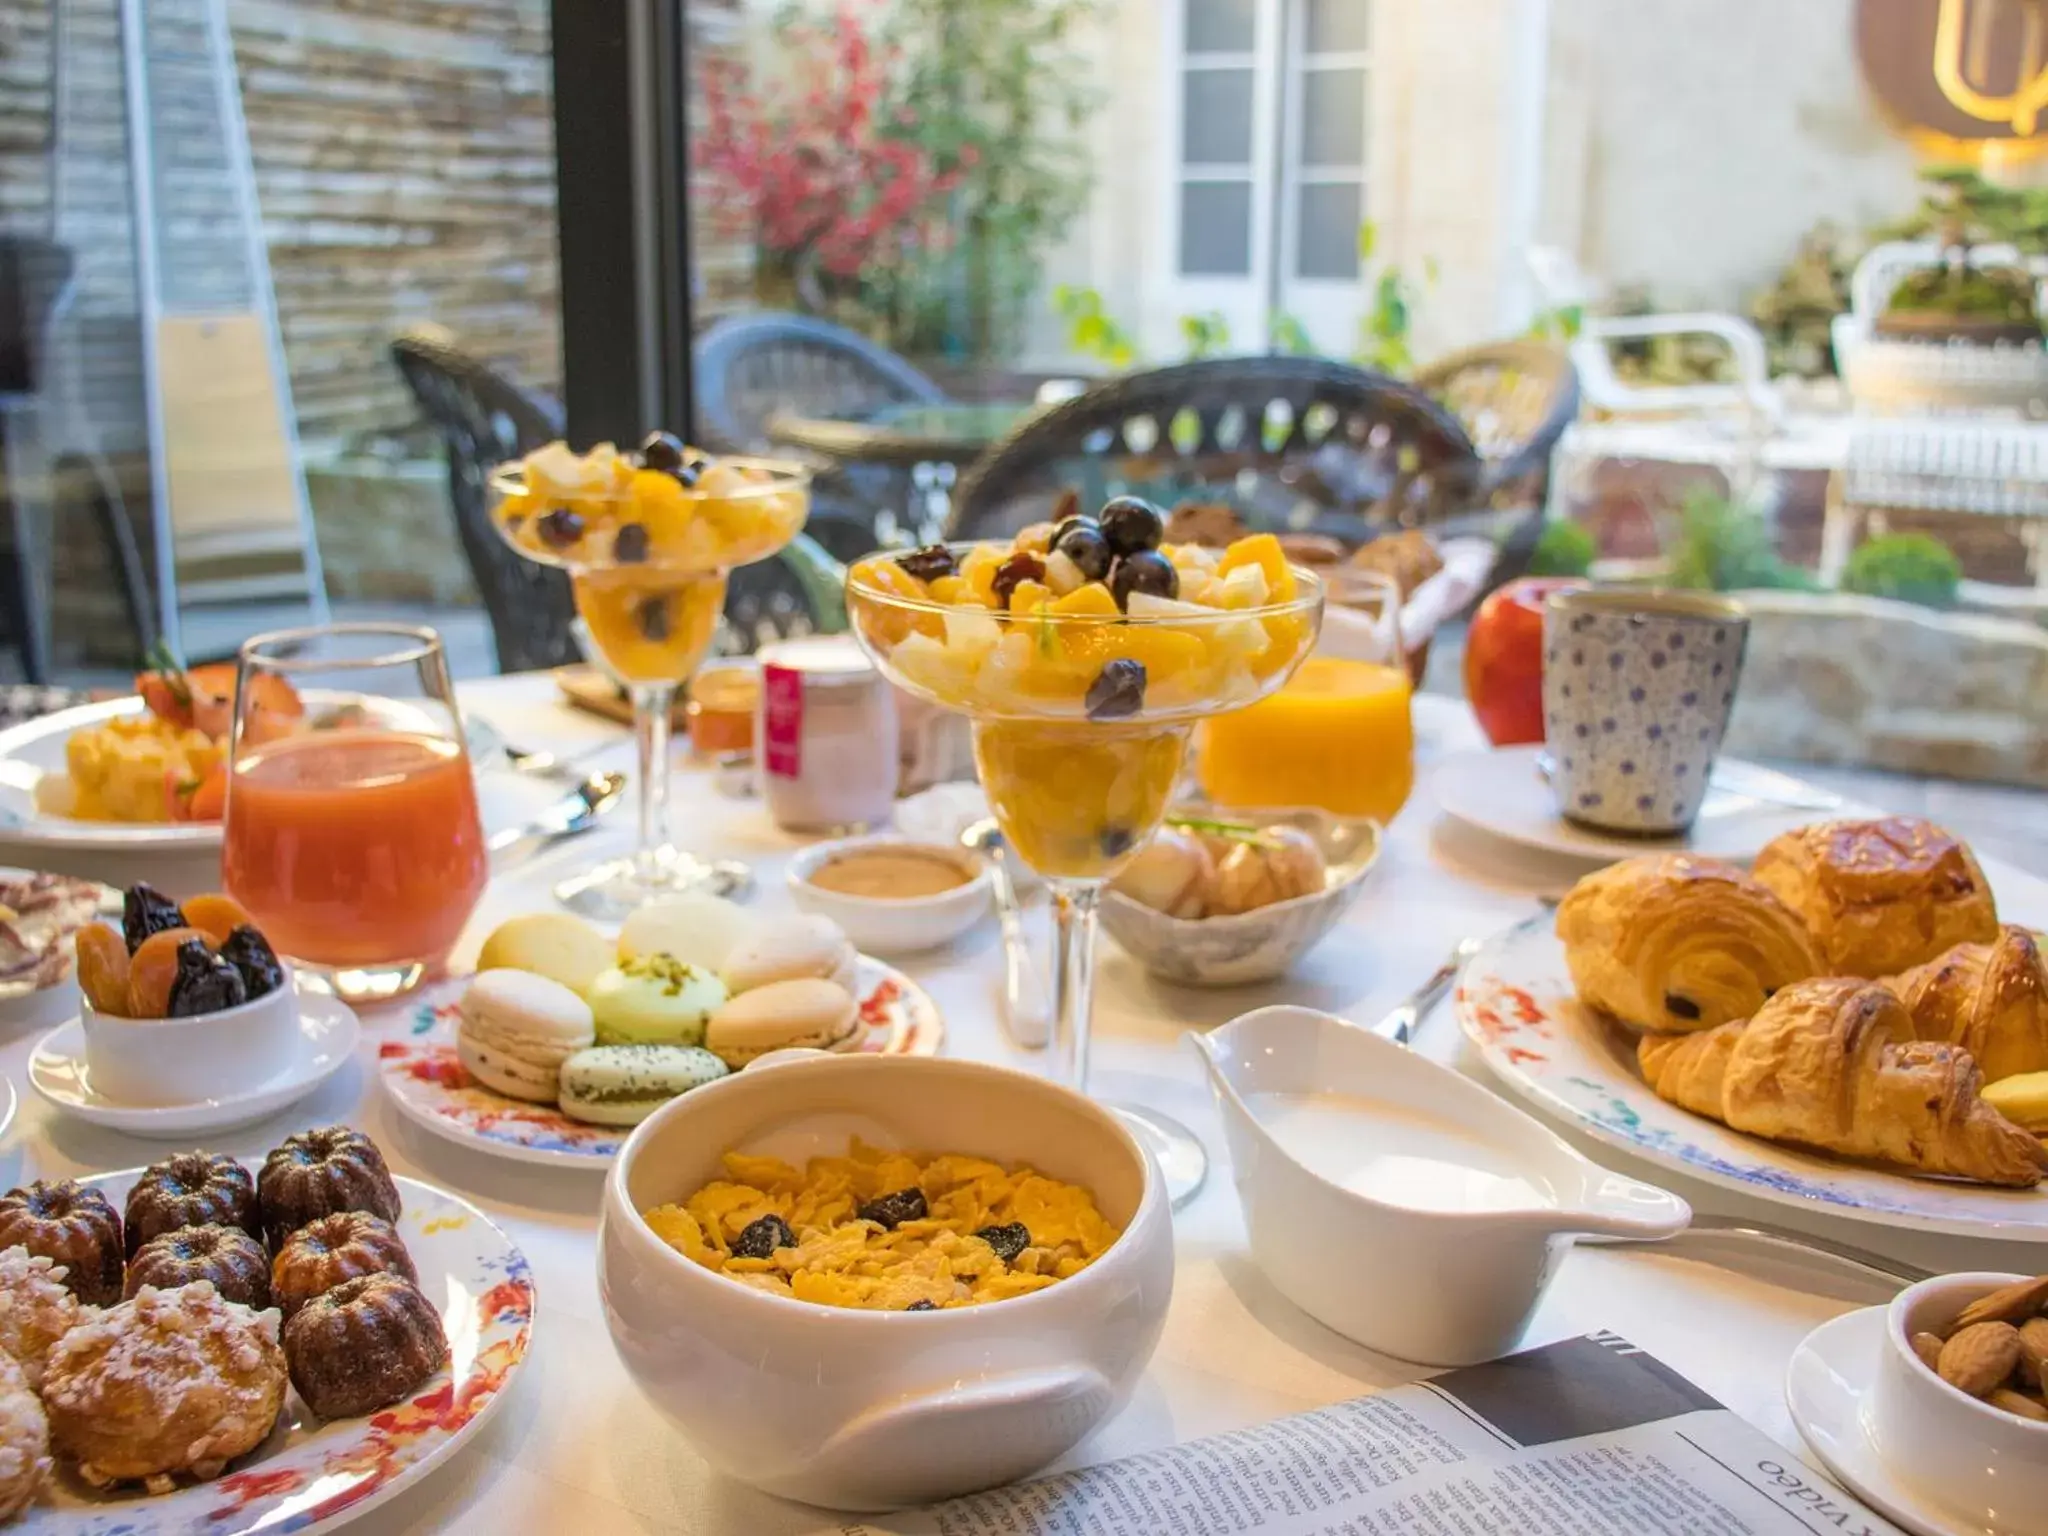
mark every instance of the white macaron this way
{"type": "Point", "coordinates": [791, 949]}
{"type": "Point", "coordinates": [517, 1029]}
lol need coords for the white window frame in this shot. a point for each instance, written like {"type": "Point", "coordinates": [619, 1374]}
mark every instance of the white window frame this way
{"type": "Point", "coordinates": [1330, 308]}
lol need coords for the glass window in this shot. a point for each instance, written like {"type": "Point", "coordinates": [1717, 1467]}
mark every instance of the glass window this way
{"type": "Point", "coordinates": [1333, 117]}
{"type": "Point", "coordinates": [1216, 228]}
{"type": "Point", "coordinates": [1216, 117]}
{"type": "Point", "coordinates": [1220, 26]}
{"type": "Point", "coordinates": [1336, 26]}
{"type": "Point", "coordinates": [1326, 241]}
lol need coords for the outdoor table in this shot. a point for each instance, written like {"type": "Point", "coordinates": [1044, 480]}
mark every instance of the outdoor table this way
{"type": "Point", "coordinates": [576, 1447]}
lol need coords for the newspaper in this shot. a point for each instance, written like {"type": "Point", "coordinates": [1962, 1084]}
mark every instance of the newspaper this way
{"type": "Point", "coordinates": [1588, 1437]}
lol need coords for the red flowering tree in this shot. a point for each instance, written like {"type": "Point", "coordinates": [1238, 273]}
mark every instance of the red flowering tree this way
{"type": "Point", "coordinates": [820, 166]}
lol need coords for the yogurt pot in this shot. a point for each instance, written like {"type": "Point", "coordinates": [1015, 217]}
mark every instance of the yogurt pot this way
{"type": "Point", "coordinates": [825, 736]}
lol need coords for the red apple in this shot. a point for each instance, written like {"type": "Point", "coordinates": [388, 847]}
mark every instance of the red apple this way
{"type": "Point", "coordinates": [1504, 659]}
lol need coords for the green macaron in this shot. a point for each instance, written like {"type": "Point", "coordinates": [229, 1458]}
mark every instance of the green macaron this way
{"type": "Point", "coordinates": [624, 1084]}
{"type": "Point", "coordinates": [653, 1000]}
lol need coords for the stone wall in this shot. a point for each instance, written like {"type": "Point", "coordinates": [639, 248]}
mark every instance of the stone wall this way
{"type": "Point", "coordinates": [1876, 684]}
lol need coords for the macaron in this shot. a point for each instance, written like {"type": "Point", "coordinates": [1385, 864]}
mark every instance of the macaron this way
{"type": "Point", "coordinates": [624, 1084]}
{"type": "Point", "coordinates": [557, 945]}
{"type": "Point", "coordinates": [791, 949]}
{"type": "Point", "coordinates": [517, 1029]}
{"type": "Point", "coordinates": [698, 929]}
{"type": "Point", "coordinates": [654, 1000]}
{"type": "Point", "coordinates": [808, 1011]}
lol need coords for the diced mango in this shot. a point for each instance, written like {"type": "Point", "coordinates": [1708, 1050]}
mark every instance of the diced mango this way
{"type": "Point", "coordinates": [1092, 599]}
{"type": "Point", "coordinates": [951, 589]}
{"type": "Point", "coordinates": [1262, 550]}
{"type": "Point", "coordinates": [1028, 594]}
{"type": "Point", "coordinates": [1164, 652]}
{"type": "Point", "coordinates": [979, 569]}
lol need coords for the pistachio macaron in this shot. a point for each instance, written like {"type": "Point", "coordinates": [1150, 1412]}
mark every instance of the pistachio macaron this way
{"type": "Point", "coordinates": [624, 1084]}
{"type": "Point", "coordinates": [808, 1011]}
{"type": "Point", "coordinates": [654, 1000]}
{"type": "Point", "coordinates": [517, 1029]}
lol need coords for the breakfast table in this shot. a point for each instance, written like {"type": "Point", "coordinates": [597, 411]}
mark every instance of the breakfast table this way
{"type": "Point", "coordinates": [576, 1447]}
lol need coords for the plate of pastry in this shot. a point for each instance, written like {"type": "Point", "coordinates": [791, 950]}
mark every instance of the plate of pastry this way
{"type": "Point", "coordinates": [39, 916]}
{"type": "Point", "coordinates": [1848, 1025]}
{"type": "Point", "coordinates": [565, 1039]}
{"type": "Point", "coordinates": [278, 1347]}
{"type": "Point", "coordinates": [1504, 792]}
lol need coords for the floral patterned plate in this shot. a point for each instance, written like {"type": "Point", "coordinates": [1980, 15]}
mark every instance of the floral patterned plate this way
{"type": "Point", "coordinates": [1516, 1004]}
{"type": "Point", "coordinates": [425, 1079]}
{"type": "Point", "coordinates": [314, 1476]}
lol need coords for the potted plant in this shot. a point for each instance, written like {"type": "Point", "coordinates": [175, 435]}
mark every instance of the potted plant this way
{"type": "Point", "coordinates": [1965, 297]}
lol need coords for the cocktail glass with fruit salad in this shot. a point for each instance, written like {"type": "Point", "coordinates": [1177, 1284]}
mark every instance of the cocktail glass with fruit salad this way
{"type": "Point", "coordinates": [1084, 652]}
{"type": "Point", "coordinates": [647, 539]}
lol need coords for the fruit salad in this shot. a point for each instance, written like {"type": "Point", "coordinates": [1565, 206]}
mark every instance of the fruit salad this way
{"type": "Point", "coordinates": [173, 962]}
{"type": "Point", "coordinates": [647, 538]}
{"type": "Point", "coordinates": [169, 763]}
{"type": "Point", "coordinates": [1090, 618]}
{"type": "Point", "coordinates": [1084, 649]}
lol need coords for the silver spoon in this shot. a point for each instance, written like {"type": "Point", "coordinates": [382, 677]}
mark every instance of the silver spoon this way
{"type": "Point", "coordinates": [575, 812]}
{"type": "Point", "coordinates": [1025, 1011]}
{"type": "Point", "coordinates": [1748, 1230]}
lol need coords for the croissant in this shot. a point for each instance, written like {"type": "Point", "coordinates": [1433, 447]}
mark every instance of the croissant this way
{"type": "Point", "coordinates": [1880, 896]}
{"type": "Point", "coordinates": [1673, 943]}
{"type": "Point", "coordinates": [1832, 1064]}
{"type": "Point", "coordinates": [1990, 999]}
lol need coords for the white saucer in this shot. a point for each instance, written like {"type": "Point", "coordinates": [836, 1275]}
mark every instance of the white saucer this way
{"type": "Point", "coordinates": [9, 1102]}
{"type": "Point", "coordinates": [1501, 792]}
{"type": "Point", "coordinates": [1830, 1374]}
{"type": "Point", "coordinates": [57, 1072]}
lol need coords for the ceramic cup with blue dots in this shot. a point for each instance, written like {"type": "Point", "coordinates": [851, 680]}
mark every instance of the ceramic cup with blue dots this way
{"type": "Point", "coordinates": [1637, 688]}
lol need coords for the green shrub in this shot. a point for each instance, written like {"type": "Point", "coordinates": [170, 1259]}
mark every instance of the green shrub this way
{"type": "Point", "coordinates": [1724, 547]}
{"type": "Point", "coordinates": [1911, 567]}
{"type": "Point", "coordinates": [1565, 548]}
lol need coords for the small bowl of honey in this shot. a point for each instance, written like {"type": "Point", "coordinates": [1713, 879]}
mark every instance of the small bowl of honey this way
{"type": "Point", "coordinates": [893, 895]}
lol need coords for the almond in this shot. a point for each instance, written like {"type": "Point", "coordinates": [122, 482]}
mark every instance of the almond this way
{"type": "Point", "coordinates": [2019, 1403]}
{"type": "Point", "coordinates": [1980, 1357]}
{"type": "Point", "coordinates": [1928, 1347]}
{"type": "Point", "coordinates": [2034, 1350]}
{"type": "Point", "coordinates": [2013, 1303]}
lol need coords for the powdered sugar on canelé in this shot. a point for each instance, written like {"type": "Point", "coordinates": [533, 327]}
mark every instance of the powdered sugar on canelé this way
{"type": "Point", "coordinates": [36, 1310]}
{"type": "Point", "coordinates": [171, 1382]}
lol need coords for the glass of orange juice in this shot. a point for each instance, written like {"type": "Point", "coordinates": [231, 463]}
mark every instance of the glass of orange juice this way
{"type": "Point", "coordinates": [352, 834]}
{"type": "Point", "coordinates": [1338, 734]}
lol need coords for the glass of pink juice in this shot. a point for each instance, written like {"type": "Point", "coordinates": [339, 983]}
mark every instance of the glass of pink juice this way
{"type": "Point", "coordinates": [355, 841]}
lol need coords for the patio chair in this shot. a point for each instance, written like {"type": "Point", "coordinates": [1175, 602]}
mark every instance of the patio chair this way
{"type": "Point", "coordinates": [1294, 443]}
{"type": "Point", "coordinates": [486, 419]}
{"type": "Point", "coordinates": [1514, 399]}
{"type": "Point", "coordinates": [749, 368]}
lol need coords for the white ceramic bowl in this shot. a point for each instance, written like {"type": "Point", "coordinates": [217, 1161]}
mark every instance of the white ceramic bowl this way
{"type": "Point", "coordinates": [883, 926]}
{"type": "Point", "coordinates": [1987, 1467]}
{"type": "Point", "coordinates": [169, 1063]}
{"type": "Point", "coordinates": [1259, 945]}
{"type": "Point", "coordinates": [863, 1410]}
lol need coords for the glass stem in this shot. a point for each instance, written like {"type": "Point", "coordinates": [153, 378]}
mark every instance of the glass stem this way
{"type": "Point", "coordinates": [652, 703]}
{"type": "Point", "coordinates": [1074, 904]}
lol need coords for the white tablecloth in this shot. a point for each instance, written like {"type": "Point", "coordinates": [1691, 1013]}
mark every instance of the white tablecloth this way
{"type": "Point", "coordinates": [577, 1448]}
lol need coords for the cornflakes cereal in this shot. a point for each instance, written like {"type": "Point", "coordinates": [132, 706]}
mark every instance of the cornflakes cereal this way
{"type": "Point", "coordinates": [889, 1231]}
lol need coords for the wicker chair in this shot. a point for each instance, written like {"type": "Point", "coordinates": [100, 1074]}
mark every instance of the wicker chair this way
{"type": "Point", "coordinates": [484, 420]}
{"type": "Point", "coordinates": [1294, 443]}
{"type": "Point", "coordinates": [748, 368]}
{"type": "Point", "coordinates": [1514, 399]}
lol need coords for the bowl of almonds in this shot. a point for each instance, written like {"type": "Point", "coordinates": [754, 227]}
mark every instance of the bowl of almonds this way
{"type": "Point", "coordinates": [1958, 1407]}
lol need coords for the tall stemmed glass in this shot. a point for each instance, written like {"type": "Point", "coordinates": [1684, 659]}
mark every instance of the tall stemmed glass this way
{"type": "Point", "coordinates": [1080, 724]}
{"type": "Point", "coordinates": [647, 540]}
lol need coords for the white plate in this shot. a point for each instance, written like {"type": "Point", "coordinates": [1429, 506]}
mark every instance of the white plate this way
{"type": "Point", "coordinates": [30, 750]}
{"type": "Point", "coordinates": [1831, 1371]}
{"type": "Point", "coordinates": [57, 1072]}
{"type": "Point", "coordinates": [1502, 793]}
{"type": "Point", "coordinates": [311, 1476]}
{"type": "Point", "coordinates": [424, 1078]}
{"type": "Point", "coordinates": [1516, 1004]}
